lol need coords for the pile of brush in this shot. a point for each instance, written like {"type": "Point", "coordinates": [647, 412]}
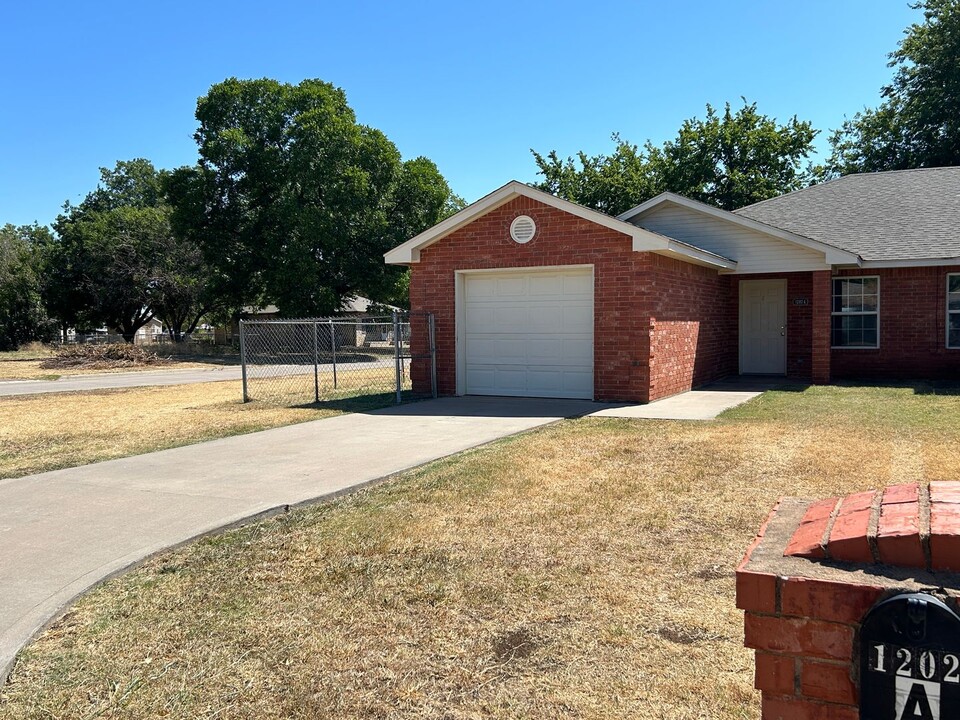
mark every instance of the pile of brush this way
{"type": "Point", "coordinates": [102, 357]}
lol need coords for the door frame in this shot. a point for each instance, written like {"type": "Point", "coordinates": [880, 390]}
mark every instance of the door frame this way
{"type": "Point", "coordinates": [460, 308]}
{"type": "Point", "coordinates": [740, 315]}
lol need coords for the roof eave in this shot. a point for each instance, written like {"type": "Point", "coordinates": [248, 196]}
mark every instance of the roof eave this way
{"type": "Point", "coordinates": [647, 241]}
{"type": "Point", "coordinates": [911, 262]}
{"type": "Point", "coordinates": [642, 240]}
{"type": "Point", "coordinates": [409, 252]}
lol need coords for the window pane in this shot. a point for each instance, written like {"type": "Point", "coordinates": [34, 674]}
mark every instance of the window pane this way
{"type": "Point", "coordinates": [953, 283]}
{"type": "Point", "coordinates": [953, 335]}
{"type": "Point", "coordinates": [855, 330]}
{"type": "Point", "coordinates": [855, 294]}
{"type": "Point", "coordinates": [953, 300]}
{"type": "Point", "coordinates": [838, 336]}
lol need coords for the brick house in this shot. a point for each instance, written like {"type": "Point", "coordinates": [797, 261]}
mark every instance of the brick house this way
{"type": "Point", "coordinates": [858, 277]}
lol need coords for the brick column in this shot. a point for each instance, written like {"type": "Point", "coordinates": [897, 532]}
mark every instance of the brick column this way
{"type": "Point", "coordinates": [815, 570]}
{"type": "Point", "coordinates": [821, 300]}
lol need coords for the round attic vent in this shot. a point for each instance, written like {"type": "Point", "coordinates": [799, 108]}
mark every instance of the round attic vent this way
{"type": "Point", "coordinates": [522, 229]}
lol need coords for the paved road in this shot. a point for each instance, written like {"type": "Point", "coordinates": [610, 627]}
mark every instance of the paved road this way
{"type": "Point", "coordinates": [143, 378]}
{"type": "Point", "coordinates": [61, 532]}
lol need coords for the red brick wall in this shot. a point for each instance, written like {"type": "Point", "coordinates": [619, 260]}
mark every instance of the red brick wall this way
{"type": "Point", "coordinates": [803, 632]}
{"type": "Point", "coordinates": [821, 299]}
{"type": "Point", "coordinates": [693, 327]}
{"type": "Point", "coordinates": [912, 329]}
{"type": "Point", "coordinates": [621, 290]}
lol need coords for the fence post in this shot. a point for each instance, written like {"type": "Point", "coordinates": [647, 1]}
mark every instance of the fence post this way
{"type": "Point", "coordinates": [333, 349]}
{"type": "Point", "coordinates": [396, 353]}
{"type": "Point", "coordinates": [433, 353]}
{"type": "Point", "coordinates": [316, 366]}
{"type": "Point", "coordinates": [243, 362]}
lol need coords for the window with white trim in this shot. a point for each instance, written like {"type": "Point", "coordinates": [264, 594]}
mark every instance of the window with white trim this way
{"type": "Point", "coordinates": [855, 317]}
{"type": "Point", "coordinates": [953, 310]}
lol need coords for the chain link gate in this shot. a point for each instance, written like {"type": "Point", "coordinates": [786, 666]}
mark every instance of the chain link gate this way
{"type": "Point", "coordinates": [299, 362]}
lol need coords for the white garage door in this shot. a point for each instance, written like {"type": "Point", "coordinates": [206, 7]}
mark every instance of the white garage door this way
{"type": "Point", "coordinates": [529, 334]}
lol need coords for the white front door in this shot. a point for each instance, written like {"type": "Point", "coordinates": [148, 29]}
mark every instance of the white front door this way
{"type": "Point", "coordinates": [763, 327]}
{"type": "Point", "coordinates": [528, 333]}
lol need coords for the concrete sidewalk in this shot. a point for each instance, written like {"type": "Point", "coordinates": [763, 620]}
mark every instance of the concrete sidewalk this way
{"type": "Point", "coordinates": [705, 403]}
{"type": "Point", "coordinates": [62, 532]}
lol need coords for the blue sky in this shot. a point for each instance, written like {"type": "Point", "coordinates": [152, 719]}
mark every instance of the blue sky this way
{"type": "Point", "coordinates": [473, 86]}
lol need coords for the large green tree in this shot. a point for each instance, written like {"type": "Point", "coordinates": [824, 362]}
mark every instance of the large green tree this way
{"type": "Point", "coordinates": [22, 316]}
{"type": "Point", "coordinates": [294, 202]}
{"type": "Point", "coordinates": [727, 159]}
{"type": "Point", "coordinates": [917, 124]}
{"type": "Point", "coordinates": [117, 261]}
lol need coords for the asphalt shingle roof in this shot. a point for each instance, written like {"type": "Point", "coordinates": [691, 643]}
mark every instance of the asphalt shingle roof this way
{"type": "Point", "coordinates": [897, 215]}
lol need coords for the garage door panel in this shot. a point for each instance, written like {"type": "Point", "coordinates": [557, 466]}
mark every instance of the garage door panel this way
{"type": "Point", "coordinates": [578, 384]}
{"type": "Point", "coordinates": [482, 380]}
{"type": "Point", "coordinates": [576, 317]}
{"type": "Point", "coordinates": [481, 319]}
{"type": "Point", "coordinates": [577, 351]}
{"type": "Point", "coordinates": [544, 350]}
{"type": "Point", "coordinates": [578, 285]}
{"type": "Point", "coordinates": [529, 334]}
{"type": "Point", "coordinates": [511, 286]}
{"type": "Point", "coordinates": [511, 318]}
{"type": "Point", "coordinates": [480, 287]}
{"type": "Point", "coordinates": [550, 285]}
{"type": "Point", "coordinates": [545, 321]}
{"type": "Point", "coordinates": [493, 351]}
{"type": "Point", "coordinates": [540, 381]}
{"type": "Point", "coordinates": [511, 380]}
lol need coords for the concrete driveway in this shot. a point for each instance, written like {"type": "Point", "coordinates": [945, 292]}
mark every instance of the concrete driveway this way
{"type": "Point", "coordinates": [64, 531]}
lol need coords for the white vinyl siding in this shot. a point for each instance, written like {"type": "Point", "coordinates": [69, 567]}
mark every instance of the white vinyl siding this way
{"type": "Point", "coordinates": [953, 310]}
{"type": "Point", "coordinates": [855, 316]}
{"type": "Point", "coordinates": [528, 334]}
{"type": "Point", "coordinates": [753, 251]}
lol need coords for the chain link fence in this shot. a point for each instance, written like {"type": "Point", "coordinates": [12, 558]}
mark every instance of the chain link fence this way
{"type": "Point", "coordinates": [299, 362]}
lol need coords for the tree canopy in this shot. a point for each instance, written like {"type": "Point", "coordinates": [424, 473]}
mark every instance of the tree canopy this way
{"type": "Point", "coordinates": [22, 316]}
{"type": "Point", "coordinates": [294, 202]}
{"type": "Point", "coordinates": [727, 159]}
{"type": "Point", "coordinates": [116, 260]}
{"type": "Point", "coordinates": [918, 122]}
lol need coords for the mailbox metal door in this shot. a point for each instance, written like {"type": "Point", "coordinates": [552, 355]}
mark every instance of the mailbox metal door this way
{"type": "Point", "coordinates": [910, 660]}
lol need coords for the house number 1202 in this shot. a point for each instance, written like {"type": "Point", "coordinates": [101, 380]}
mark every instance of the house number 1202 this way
{"type": "Point", "coordinates": [916, 664]}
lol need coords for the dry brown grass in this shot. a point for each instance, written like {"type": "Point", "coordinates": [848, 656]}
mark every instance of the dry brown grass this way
{"type": "Point", "coordinates": [46, 432]}
{"type": "Point", "coordinates": [582, 571]}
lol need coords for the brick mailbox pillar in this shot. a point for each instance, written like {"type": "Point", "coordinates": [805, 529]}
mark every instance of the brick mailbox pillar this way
{"type": "Point", "coordinates": [813, 574]}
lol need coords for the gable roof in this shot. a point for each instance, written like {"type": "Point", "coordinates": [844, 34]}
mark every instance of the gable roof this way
{"type": "Point", "coordinates": [643, 240]}
{"type": "Point", "coordinates": [834, 254]}
{"type": "Point", "coordinates": [900, 215]}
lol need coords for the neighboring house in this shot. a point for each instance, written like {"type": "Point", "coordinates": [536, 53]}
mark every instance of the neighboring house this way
{"type": "Point", "coordinates": [149, 332]}
{"type": "Point", "coordinates": [535, 296]}
{"type": "Point", "coordinates": [353, 307]}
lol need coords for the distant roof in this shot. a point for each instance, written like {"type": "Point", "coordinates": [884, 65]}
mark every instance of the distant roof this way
{"type": "Point", "coordinates": [896, 215]}
{"type": "Point", "coordinates": [356, 304]}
